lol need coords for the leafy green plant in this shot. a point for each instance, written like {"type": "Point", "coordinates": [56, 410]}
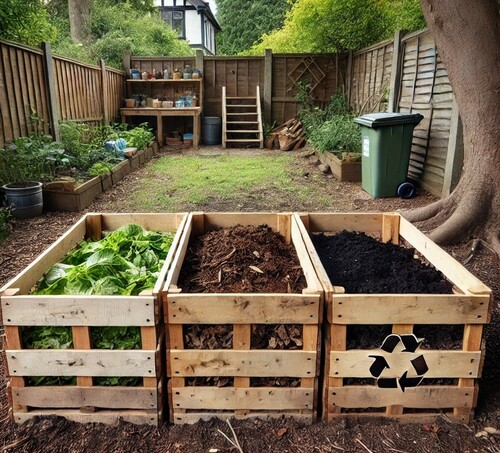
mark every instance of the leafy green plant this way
{"type": "Point", "coordinates": [138, 137]}
{"type": "Point", "coordinates": [127, 261]}
{"type": "Point", "coordinates": [5, 217]}
{"type": "Point", "coordinates": [100, 168]}
{"type": "Point", "coordinates": [331, 129]}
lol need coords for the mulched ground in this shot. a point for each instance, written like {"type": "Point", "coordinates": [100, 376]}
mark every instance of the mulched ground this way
{"type": "Point", "coordinates": [29, 238]}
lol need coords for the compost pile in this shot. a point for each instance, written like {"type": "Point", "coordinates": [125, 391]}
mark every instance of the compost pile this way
{"type": "Point", "coordinates": [361, 264]}
{"type": "Point", "coordinates": [242, 259]}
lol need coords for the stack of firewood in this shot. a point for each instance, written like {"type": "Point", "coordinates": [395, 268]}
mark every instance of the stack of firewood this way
{"type": "Point", "coordinates": [289, 136]}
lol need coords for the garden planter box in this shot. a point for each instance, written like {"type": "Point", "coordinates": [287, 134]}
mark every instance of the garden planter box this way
{"type": "Point", "coordinates": [134, 161]}
{"type": "Point", "coordinates": [75, 200]}
{"type": "Point", "coordinates": [148, 154]}
{"type": "Point", "coordinates": [449, 383]}
{"type": "Point", "coordinates": [119, 171]}
{"type": "Point", "coordinates": [191, 403]}
{"type": "Point", "coordinates": [87, 402]}
{"type": "Point", "coordinates": [106, 182]}
{"type": "Point", "coordinates": [342, 170]}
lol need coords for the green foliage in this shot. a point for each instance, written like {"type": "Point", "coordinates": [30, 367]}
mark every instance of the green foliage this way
{"type": "Point", "coordinates": [5, 218]}
{"type": "Point", "coordinates": [125, 262]}
{"type": "Point", "coordinates": [243, 22]}
{"type": "Point", "coordinates": [324, 26]}
{"type": "Point", "coordinates": [26, 21]}
{"type": "Point", "coordinates": [100, 168]}
{"type": "Point", "coordinates": [331, 129]}
{"type": "Point", "coordinates": [138, 137]}
{"type": "Point", "coordinates": [35, 158]}
{"type": "Point", "coordinates": [119, 26]}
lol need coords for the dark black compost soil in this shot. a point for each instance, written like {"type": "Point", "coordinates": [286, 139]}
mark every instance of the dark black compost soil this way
{"type": "Point", "coordinates": [361, 264]}
{"type": "Point", "coordinates": [364, 265]}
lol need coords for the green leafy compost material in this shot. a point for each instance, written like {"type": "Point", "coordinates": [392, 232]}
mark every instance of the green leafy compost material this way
{"type": "Point", "coordinates": [126, 261]}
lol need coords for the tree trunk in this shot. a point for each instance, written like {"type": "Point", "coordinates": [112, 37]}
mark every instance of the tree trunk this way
{"type": "Point", "coordinates": [79, 20]}
{"type": "Point", "coordinates": [467, 36]}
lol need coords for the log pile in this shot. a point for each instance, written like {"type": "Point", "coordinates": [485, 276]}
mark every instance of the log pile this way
{"type": "Point", "coordinates": [287, 137]}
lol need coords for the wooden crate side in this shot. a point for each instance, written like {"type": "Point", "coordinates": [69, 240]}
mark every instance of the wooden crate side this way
{"type": "Point", "coordinates": [441, 260]}
{"type": "Point", "coordinates": [214, 220]}
{"type": "Point", "coordinates": [75, 397]}
{"type": "Point", "coordinates": [245, 308]}
{"type": "Point", "coordinates": [338, 221]}
{"type": "Point", "coordinates": [423, 397]}
{"type": "Point", "coordinates": [441, 363]}
{"type": "Point", "coordinates": [230, 398]}
{"type": "Point", "coordinates": [108, 417]}
{"type": "Point", "coordinates": [409, 309]}
{"type": "Point", "coordinates": [245, 363]}
{"type": "Point", "coordinates": [31, 274]}
{"type": "Point", "coordinates": [74, 362]}
{"type": "Point", "coordinates": [193, 417]}
{"type": "Point", "coordinates": [78, 311]}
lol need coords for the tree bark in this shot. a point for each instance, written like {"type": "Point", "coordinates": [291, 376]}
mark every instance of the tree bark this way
{"type": "Point", "coordinates": [79, 20]}
{"type": "Point", "coordinates": [467, 38]}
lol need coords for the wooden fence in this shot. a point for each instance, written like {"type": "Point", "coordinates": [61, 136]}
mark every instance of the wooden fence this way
{"type": "Point", "coordinates": [38, 90]}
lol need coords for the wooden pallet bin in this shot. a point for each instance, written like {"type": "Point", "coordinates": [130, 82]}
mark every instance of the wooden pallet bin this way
{"type": "Point", "coordinates": [191, 403]}
{"type": "Point", "coordinates": [87, 402]}
{"type": "Point", "coordinates": [469, 306]}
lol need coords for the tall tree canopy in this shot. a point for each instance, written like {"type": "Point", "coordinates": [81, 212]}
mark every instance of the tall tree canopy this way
{"type": "Point", "coordinates": [468, 41]}
{"type": "Point", "coordinates": [243, 22]}
{"type": "Point", "coordinates": [26, 21]}
{"type": "Point", "coordinates": [326, 26]}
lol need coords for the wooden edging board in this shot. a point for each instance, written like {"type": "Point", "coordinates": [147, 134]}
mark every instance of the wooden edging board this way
{"type": "Point", "coordinates": [191, 403]}
{"type": "Point", "coordinates": [107, 404]}
{"type": "Point", "coordinates": [469, 307]}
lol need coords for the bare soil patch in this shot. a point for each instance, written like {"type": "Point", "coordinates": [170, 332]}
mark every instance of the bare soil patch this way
{"type": "Point", "coordinates": [30, 237]}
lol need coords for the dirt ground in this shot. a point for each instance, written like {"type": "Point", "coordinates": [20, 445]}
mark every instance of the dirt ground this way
{"type": "Point", "coordinates": [52, 434]}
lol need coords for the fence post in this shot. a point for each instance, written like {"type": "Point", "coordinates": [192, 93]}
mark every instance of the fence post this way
{"type": "Point", "coordinates": [104, 81]}
{"type": "Point", "coordinates": [394, 84]}
{"type": "Point", "coordinates": [126, 63]}
{"type": "Point", "coordinates": [199, 62]}
{"type": "Point", "coordinates": [455, 154]}
{"type": "Point", "coordinates": [51, 90]}
{"type": "Point", "coordinates": [349, 77]}
{"type": "Point", "coordinates": [268, 85]}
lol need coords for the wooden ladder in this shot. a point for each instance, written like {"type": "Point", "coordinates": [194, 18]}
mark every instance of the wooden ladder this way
{"type": "Point", "coordinates": [242, 119]}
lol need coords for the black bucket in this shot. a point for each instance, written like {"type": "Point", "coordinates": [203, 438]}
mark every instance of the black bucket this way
{"type": "Point", "coordinates": [212, 130]}
{"type": "Point", "coordinates": [26, 198]}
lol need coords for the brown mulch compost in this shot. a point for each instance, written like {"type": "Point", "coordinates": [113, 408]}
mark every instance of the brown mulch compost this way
{"type": "Point", "coordinates": [241, 259]}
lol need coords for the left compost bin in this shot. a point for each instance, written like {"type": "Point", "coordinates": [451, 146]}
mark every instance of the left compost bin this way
{"type": "Point", "coordinates": [92, 354]}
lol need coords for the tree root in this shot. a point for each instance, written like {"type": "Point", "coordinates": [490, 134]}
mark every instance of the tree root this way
{"type": "Point", "coordinates": [424, 213]}
{"type": "Point", "coordinates": [495, 242]}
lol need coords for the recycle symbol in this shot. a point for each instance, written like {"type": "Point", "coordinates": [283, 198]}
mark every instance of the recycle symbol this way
{"type": "Point", "coordinates": [403, 350]}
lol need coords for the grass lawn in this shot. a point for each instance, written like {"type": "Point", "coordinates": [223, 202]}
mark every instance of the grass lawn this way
{"type": "Point", "coordinates": [178, 183]}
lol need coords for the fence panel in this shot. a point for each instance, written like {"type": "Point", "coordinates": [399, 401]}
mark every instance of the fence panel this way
{"type": "Point", "coordinates": [22, 92]}
{"type": "Point", "coordinates": [115, 86]}
{"type": "Point", "coordinates": [370, 77]}
{"type": "Point", "coordinates": [425, 89]}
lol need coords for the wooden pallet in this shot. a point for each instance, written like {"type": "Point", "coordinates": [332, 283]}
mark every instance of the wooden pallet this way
{"type": "Point", "coordinates": [87, 402]}
{"type": "Point", "coordinates": [470, 307]}
{"type": "Point", "coordinates": [191, 403]}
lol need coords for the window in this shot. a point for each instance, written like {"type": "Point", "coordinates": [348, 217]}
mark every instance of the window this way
{"type": "Point", "coordinates": [176, 20]}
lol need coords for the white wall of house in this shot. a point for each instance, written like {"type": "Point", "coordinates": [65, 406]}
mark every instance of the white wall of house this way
{"type": "Point", "coordinates": [193, 26]}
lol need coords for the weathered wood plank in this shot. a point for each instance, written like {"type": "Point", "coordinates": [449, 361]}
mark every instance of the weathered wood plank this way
{"type": "Point", "coordinates": [190, 418]}
{"type": "Point", "coordinates": [78, 310]}
{"type": "Point", "coordinates": [107, 417]}
{"type": "Point", "coordinates": [244, 308]}
{"type": "Point", "coordinates": [441, 364]}
{"type": "Point", "coordinates": [262, 398]}
{"type": "Point", "coordinates": [74, 397]}
{"type": "Point", "coordinates": [77, 362]}
{"type": "Point", "coordinates": [253, 363]}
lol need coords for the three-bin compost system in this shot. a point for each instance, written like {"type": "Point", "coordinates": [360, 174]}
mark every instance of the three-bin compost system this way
{"type": "Point", "coordinates": [182, 317]}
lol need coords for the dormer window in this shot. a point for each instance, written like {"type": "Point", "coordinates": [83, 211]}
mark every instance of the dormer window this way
{"type": "Point", "coordinates": [176, 20]}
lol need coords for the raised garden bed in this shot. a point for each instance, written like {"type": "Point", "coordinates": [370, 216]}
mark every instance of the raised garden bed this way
{"type": "Point", "coordinates": [224, 358]}
{"type": "Point", "coordinates": [74, 199]}
{"type": "Point", "coordinates": [344, 171]}
{"type": "Point", "coordinates": [394, 375]}
{"type": "Point", "coordinates": [86, 401]}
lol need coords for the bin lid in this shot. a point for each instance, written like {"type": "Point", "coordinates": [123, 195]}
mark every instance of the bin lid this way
{"type": "Point", "coordinates": [381, 119]}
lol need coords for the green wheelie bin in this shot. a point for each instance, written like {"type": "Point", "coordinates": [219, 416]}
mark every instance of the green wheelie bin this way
{"type": "Point", "coordinates": [386, 145]}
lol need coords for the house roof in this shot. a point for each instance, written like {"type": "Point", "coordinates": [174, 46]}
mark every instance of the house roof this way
{"type": "Point", "coordinates": [200, 5]}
